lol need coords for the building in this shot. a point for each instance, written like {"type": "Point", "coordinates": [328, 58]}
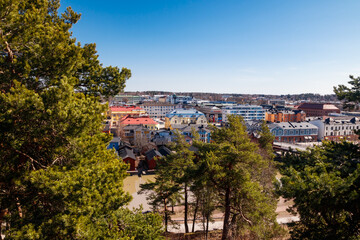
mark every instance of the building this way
{"type": "Point", "coordinates": [277, 102]}
{"type": "Point", "coordinates": [162, 137]}
{"type": "Point", "coordinates": [275, 115]}
{"type": "Point", "coordinates": [145, 121]}
{"type": "Point", "coordinates": [212, 114]}
{"type": "Point", "coordinates": [116, 113]}
{"type": "Point", "coordinates": [203, 131]}
{"type": "Point", "coordinates": [337, 129]}
{"type": "Point", "coordinates": [294, 131]}
{"type": "Point", "coordinates": [174, 99]}
{"type": "Point", "coordinates": [128, 156]}
{"type": "Point", "coordinates": [152, 156]}
{"type": "Point", "coordinates": [114, 143]}
{"type": "Point", "coordinates": [137, 134]}
{"type": "Point", "coordinates": [248, 112]}
{"type": "Point", "coordinates": [318, 109]}
{"type": "Point", "coordinates": [157, 109]}
{"type": "Point", "coordinates": [185, 117]}
{"type": "Point", "coordinates": [128, 99]}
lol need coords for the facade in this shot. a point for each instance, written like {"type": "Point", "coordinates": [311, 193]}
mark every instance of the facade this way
{"type": "Point", "coordinates": [337, 129]}
{"type": "Point", "coordinates": [294, 132]}
{"type": "Point", "coordinates": [152, 157]}
{"type": "Point", "coordinates": [136, 134]}
{"type": "Point", "coordinates": [116, 113]}
{"type": "Point", "coordinates": [128, 156]}
{"type": "Point", "coordinates": [157, 109]}
{"type": "Point", "coordinates": [318, 109]}
{"type": "Point", "coordinates": [212, 114]}
{"type": "Point", "coordinates": [274, 115]}
{"type": "Point", "coordinates": [185, 117]}
{"type": "Point", "coordinates": [162, 137]}
{"type": "Point", "coordinates": [248, 112]}
{"type": "Point", "coordinates": [114, 143]}
{"type": "Point", "coordinates": [174, 99]}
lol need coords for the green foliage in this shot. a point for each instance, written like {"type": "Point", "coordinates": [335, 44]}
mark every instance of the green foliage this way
{"type": "Point", "coordinates": [351, 96]}
{"type": "Point", "coordinates": [57, 179]}
{"type": "Point", "coordinates": [324, 184]}
{"type": "Point", "coordinates": [173, 177]}
{"type": "Point", "coordinates": [235, 167]}
{"type": "Point", "coordinates": [139, 226]}
{"type": "Point", "coordinates": [38, 51]}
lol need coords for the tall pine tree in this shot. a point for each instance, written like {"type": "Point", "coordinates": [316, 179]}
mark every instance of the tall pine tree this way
{"type": "Point", "coordinates": [57, 179]}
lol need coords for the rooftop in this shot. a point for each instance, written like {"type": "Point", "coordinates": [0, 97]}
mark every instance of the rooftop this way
{"type": "Point", "coordinates": [320, 106]}
{"type": "Point", "coordinates": [138, 120]}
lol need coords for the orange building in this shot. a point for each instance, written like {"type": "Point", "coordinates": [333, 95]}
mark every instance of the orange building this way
{"type": "Point", "coordinates": [285, 116]}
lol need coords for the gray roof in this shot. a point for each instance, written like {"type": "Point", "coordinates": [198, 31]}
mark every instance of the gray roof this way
{"type": "Point", "coordinates": [292, 125]}
{"type": "Point", "coordinates": [164, 151]}
{"type": "Point", "coordinates": [126, 152]}
{"type": "Point", "coordinates": [152, 153]}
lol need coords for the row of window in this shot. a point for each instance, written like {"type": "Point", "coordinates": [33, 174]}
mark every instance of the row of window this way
{"type": "Point", "coordinates": [342, 127]}
{"type": "Point", "coordinates": [294, 132]}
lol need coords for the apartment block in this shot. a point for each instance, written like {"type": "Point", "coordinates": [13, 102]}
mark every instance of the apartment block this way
{"type": "Point", "coordinates": [248, 112]}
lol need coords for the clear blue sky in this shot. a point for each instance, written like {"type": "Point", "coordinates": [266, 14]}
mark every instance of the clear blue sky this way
{"type": "Point", "coordinates": [228, 46]}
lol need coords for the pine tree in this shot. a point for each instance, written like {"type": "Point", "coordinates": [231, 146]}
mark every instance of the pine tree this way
{"type": "Point", "coordinates": [324, 184]}
{"type": "Point", "coordinates": [234, 167]}
{"type": "Point", "coordinates": [57, 179]}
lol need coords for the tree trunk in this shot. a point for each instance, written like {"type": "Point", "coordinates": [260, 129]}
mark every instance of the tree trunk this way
{"type": "Point", "coordinates": [195, 212]}
{"type": "Point", "coordinates": [225, 232]}
{"type": "Point", "coordinates": [186, 210]}
{"type": "Point", "coordinates": [166, 216]}
{"type": "Point", "coordinates": [207, 226]}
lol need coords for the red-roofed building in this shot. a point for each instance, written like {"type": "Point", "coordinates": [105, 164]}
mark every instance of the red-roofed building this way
{"type": "Point", "coordinates": [118, 112]}
{"type": "Point", "coordinates": [143, 120]}
{"type": "Point", "coordinates": [318, 109]}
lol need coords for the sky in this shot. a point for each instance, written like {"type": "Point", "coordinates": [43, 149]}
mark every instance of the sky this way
{"type": "Point", "coordinates": [228, 46]}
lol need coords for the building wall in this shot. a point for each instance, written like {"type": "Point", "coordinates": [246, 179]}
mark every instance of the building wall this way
{"type": "Point", "coordinates": [131, 162]}
{"type": "Point", "coordinates": [285, 117]}
{"type": "Point", "coordinates": [248, 112]}
{"type": "Point", "coordinates": [158, 110]}
{"type": "Point", "coordinates": [294, 132]}
{"type": "Point", "coordinates": [337, 130]}
{"type": "Point", "coordinates": [310, 112]}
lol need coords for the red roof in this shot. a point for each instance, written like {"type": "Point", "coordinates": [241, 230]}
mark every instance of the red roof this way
{"type": "Point", "coordinates": [138, 120]}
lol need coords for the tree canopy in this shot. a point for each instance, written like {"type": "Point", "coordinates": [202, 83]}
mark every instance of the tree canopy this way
{"type": "Point", "coordinates": [324, 184]}
{"type": "Point", "coordinates": [350, 95]}
{"type": "Point", "coordinates": [57, 179]}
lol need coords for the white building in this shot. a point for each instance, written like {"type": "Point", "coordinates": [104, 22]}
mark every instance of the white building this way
{"type": "Point", "coordinates": [157, 109]}
{"type": "Point", "coordinates": [334, 129]}
{"type": "Point", "coordinates": [248, 112]}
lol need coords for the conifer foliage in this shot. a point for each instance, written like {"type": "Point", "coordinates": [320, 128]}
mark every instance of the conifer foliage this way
{"type": "Point", "coordinates": [57, 179]}
{"type": "Point", "coordinates": [232, 175]}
